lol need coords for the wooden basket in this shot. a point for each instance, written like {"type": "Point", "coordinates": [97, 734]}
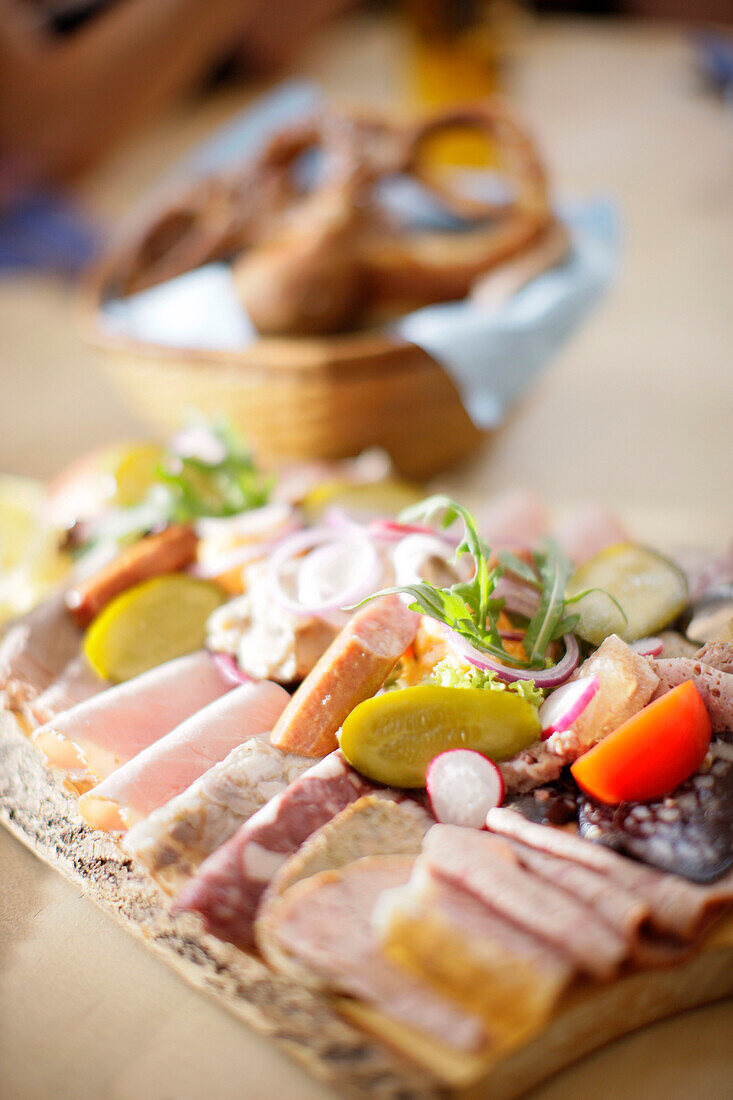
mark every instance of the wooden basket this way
{"type": "Point", "coordinates": [305, 398]}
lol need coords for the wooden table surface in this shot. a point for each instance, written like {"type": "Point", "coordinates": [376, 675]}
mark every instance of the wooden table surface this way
{"type": "Point", "coordinates": [636, 412]}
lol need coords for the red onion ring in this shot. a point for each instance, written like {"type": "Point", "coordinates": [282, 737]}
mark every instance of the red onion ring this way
{"type": "Point", "coordinates": [298, 544]}
{"type": "Point", "coordinates": [229, 668]}
{"type": "Point", "coordinates": [543, 678]}
{"type": "Point", "coordinates": [389, 530]}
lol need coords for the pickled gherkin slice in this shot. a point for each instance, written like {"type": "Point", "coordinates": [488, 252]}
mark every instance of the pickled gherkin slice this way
{"type": "Point", "coordinates": [649, 587]}
{"type": "Point", "coordinates": [393, 737]}
{"type": "Point", "coordinates": [150, 624]}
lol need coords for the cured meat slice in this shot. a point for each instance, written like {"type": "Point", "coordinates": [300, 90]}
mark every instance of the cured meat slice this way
{"type": "Point", "coordinates": [229, 886]}
{"type": "Point", "coordinates": [171, 764]}
{"type": "Point", "coordinates": [35, 650]}
{"type": "Point", "coordinates": [689, 833]}
{"type": "Point", "coordinates": [321, 932]}
{"type": "Point", "coordinates": [77, 682]}
{"type": "Point", "coordinates": [352, 669]}
{"type": "Point", "coordinates": [371, 826]}
{"type": "Point", "coordinates": [95, 737]}
{"type": "Point", "coordinates": [487, 867]}
{"type": "Point", "coordinates": [176, 838]}
{"type": "Point", "coordinates": [716, 687]}
{"type": "Point", "coordinates": [676, 907]}
{"type": "Point", "coordinates": [470, 955]}
{"type": "Point", "coordinates": [716, 655]}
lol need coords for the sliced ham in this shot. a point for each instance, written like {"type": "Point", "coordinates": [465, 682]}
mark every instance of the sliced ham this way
{"type": "Point", "coordinates": [352, 669]}
{"type": "Point", "coordinates": [77, 681]}
{"type": "Point", "coordinates": [468, 954]}
{"type": "Point", "coordinates": [95, 737]}
{"type": "Point", "coordinates": [676, 907]}
{"type": "Point", "coordinates": [587, 531]}
{"type": "Point", "coordinates": [172, 763]}
{"type": "Point", "coordinates": [321, 931]}
{"type": "Point", "coordinates": [176, 838]}
{"type": "Point", "coordinates": [35, 650]}
{"type": "Point", "coordinates": [487, 867]}
{"type": "Point", "coordinates": [371, 826]}
{"type": "Point", "coordinates": [516, 517]}
{"type": "Point", "coordinates": [716, 687]}
{"type": "Point", "coordinates": [229, 886]}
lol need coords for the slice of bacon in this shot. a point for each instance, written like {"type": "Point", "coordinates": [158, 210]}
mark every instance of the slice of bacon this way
{"type": "Point", "coordinates": [165, 552]}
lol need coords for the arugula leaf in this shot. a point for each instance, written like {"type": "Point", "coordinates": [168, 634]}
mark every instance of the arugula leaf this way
{"type": "Point", "coordinates": [554, 570]}
{"type": "Point", "coordinates": [225, 487]}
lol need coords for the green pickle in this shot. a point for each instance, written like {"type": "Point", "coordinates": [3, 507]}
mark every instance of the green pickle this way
{"type": "Point", "coordinates": [649, 587]}
{"type": "Point", "coordinates": [393, 737]}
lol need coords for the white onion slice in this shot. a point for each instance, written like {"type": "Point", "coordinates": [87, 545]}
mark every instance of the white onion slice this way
{"type": "Point", "coordinates": [566, 704]}
{"type": "Point", "coordinates": [411, 553]}
{"type": "Point", "coordinates": [648, 647]}
{"type": "Point", "coordinates": [463, 786]}
{"type": "Point", "coordinates": [217, 564]}
{"type": "Point", "coordinates": [258, 523]}
{"type": "Point", "coordinates": [369, 571]}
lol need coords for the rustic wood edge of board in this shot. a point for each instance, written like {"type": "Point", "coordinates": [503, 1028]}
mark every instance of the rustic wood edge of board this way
{"type": "Point", "coordinates": [343, 1043]}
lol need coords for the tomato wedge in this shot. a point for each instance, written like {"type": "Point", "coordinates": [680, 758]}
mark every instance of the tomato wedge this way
{"type": "Point", "coordinates": [650, 754]}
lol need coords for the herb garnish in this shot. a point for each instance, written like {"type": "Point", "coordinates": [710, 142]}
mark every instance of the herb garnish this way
{"type": "Point", "coordinates": [225, 486]}
{"type": "Point", "coordinates": [222, 480]}
{"type": "Point", "coordinates": [471, 609]}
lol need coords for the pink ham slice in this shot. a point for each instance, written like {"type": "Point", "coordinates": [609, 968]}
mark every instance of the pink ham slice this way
{"type": "Point", "coordinates": [352, 669]}
{"type": "Point", "coordinates": [77, 682]}
{"type": "Point", "coordinates": [171, 764]}
{"type": "Point", "coordinates": [716, 687]}
{"type": "Point", "coordinates": [487, 867]}
{"type": "Point", "coordinates": [230, 884]}
{"type": "Point", "coordinates": [92, 739]}
{"type": "Point", "coordinates": [35, 650]}
{"type": "Point", "coordinates": [323, 925]}
{"type": "Point", "coordinates": [676, 907]}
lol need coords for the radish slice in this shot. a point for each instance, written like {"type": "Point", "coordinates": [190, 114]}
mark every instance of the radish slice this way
{"type": "Point", "coordinates": [648, 647]}
{"type": "Point", "coordinates": [566, 704]}
{"type": "Point", "coordinates": [463, 786]}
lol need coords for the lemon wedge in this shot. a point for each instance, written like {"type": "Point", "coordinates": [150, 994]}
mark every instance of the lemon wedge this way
{"type": "Point", "coordinates": [134, 473]}
{"type": "Point", "coordinates": [150, 624]}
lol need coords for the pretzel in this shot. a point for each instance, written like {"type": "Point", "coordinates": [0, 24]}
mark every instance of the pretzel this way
{"type": "Point", "coordinates": [323, 259]}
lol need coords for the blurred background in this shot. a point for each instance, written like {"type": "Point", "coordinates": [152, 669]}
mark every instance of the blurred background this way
{"type": "Point", "coordinates": [628, 99]}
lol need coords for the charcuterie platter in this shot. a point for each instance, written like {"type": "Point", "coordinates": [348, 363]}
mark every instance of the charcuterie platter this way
{"type": "Point", "coordinates": [424, 849]}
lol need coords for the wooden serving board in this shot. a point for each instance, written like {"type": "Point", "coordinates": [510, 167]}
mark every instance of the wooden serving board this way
{"type": "Point", "coordinates": [345, 1044]}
